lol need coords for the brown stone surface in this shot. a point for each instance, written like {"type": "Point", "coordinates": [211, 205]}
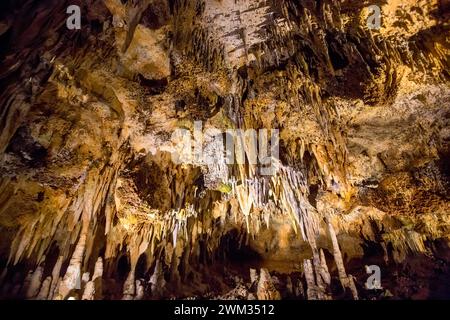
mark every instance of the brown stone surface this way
{"type": "Point", "coordinates": [88, 188]}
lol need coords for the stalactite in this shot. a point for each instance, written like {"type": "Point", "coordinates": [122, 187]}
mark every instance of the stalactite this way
{"type": "Point", "coordinates": [84, 172]}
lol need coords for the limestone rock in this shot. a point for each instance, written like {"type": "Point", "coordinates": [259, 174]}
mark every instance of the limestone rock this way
{"type": "Point", "coordinates": [266, 289]}
{"type": "Point", "coordinates": [322, 141]}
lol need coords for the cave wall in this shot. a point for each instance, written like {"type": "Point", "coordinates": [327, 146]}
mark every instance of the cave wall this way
{"type": "Point", "coordinates": [92, 205]}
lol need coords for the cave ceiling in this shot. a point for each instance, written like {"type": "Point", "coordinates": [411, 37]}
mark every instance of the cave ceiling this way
{"type": "Point", "coordinates": [345, 138]}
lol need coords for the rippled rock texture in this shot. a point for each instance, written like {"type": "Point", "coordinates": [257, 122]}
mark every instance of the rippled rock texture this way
{"type": "Point", "coordinates": [92, 205]}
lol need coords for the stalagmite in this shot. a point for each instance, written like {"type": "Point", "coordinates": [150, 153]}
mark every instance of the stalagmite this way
{"type": "Point", "coordinates": [139, 290]}
{"type": "Point", "coordinates": [26, 283]}
{"type": "Point", "coordinates": [311, 288]}
{"type": "Point", "coordinates": [346, 281]}
{"type": "Point", "coordinates": [289, 286]}
{"type": "Point", "coordinates": [45, 288]}
{"type": "Point", "coordinates": [72, 278]}
{"type": "Point", "coordinates": [299, 291]}
{"type": "Point", "coordinates": [54, 294]}
{"type": "Point", "coordinates": [89, 291]}
{"type": "Point", "coordinates": [55, 276]}
{"type": "Point", "coordinates": [98, 269]}
{"type": "Point", "coordinates": [266, 290]}
{"type": "Point", "coordinates": [324, 269]}
{"type": "Point", "coordinates": [129, 287]}
{"type": "Point", "coordinates": [93, 288]}
{"type": "Point", "coordinates": [85, 278]}
{"type": "Point", "coordinates": [253, 275]}
{"type": "Point", "coordinates": [157, 281]}
{"type": "Point", "coordinates": [35, 283]}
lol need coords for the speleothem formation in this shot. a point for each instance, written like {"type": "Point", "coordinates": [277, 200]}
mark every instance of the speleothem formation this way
{"type": "Point", "coordinates": [92, 205]}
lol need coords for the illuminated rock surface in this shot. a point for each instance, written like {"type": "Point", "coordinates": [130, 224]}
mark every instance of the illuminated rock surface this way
{"type": "Point", "coordinates": [93, 207]}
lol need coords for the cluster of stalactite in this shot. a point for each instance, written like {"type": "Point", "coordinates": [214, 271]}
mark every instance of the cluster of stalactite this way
{"type": "Point", "coordinates": [117, 228]}
{"type": "Point", "coordinates": [170, 237]}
